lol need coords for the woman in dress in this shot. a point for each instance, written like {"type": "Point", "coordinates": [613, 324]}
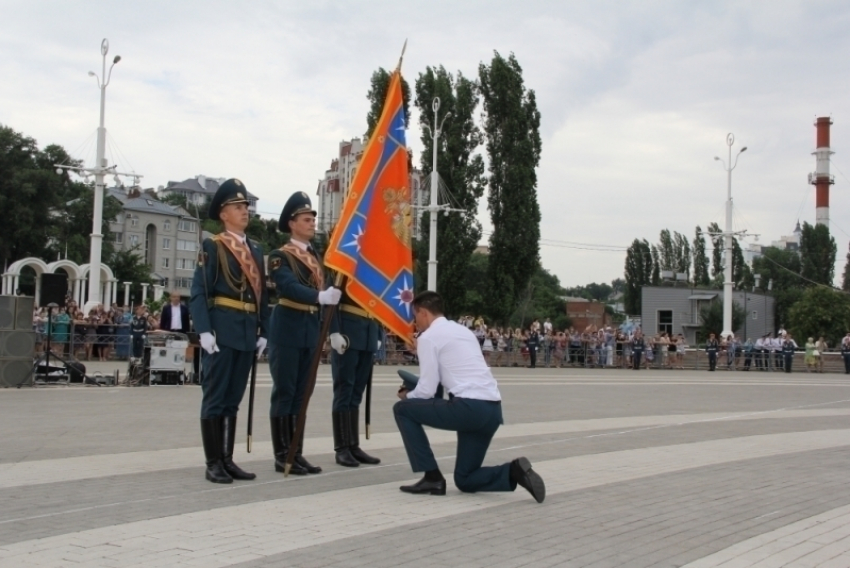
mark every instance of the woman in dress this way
{"type": "Point", "coordinates": [809, 358]}
{"type": "Point", "coordinates": [820, 348]}
{"type": "Point", "coordinates": [59, 339]}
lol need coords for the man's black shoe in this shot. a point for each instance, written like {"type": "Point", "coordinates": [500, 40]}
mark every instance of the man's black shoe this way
{"type": "Point", "coordinates": [425, 486]}
{"type": "Point", "coordinates": [523, 475]}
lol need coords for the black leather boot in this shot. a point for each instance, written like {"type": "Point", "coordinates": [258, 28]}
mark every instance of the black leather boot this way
{"type": "Point", "coordinates": [228, 437]}
{"type": "Point", "coordinates": [300, 459]}
{"type": "Point", "coordinates": [342, 440]}
{"type": "Point", "coordinates": [354, 439]}
{"type": "Point", "coordinates": [211, 435]}
{"type": "Point", "coordinates": [281, 437]}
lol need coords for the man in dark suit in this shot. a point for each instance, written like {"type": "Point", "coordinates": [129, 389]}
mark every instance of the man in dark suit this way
{"type": "Point", "coordinates": [354, 338]}
{"type": "Point", "coordinates": [301, 286]}
{"type": "Point", "coordinates": [230, 309]}
{"type": "Point", "coordinates": [175, 316]}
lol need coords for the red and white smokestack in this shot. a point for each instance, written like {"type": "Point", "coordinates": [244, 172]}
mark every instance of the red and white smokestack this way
{"type": "Point", "coordinates": [821, 178]}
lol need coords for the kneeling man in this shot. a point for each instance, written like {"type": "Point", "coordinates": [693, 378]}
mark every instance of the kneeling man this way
{"type": "Point", "coordinates": [449, 354]}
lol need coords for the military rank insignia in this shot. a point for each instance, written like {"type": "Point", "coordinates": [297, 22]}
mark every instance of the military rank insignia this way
{"type": "Point", "coordinates": [274, 264]}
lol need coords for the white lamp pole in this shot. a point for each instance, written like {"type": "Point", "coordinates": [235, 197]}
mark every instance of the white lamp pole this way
{"type": "Point", "coordinates": [729, 282]}
{"type": "Point", "coordinates": [434, 208]}
{"type": "Point", "coordinates": [99, 170]}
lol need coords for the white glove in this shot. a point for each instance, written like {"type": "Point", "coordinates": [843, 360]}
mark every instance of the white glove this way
{"type": "Point", "coordinates": [379, 344]}
{"type": "Point", "coordinates": [208, 342]}
{"type": "Point", "coordinates": [339, 343]}
{"type": "Point", "coordinates": [330, 297]}
{"type": "Point", "coordinates": [261, 345]}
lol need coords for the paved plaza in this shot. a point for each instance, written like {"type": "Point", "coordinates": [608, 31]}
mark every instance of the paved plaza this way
{"type": "Point", "coordinates": [648, 468]}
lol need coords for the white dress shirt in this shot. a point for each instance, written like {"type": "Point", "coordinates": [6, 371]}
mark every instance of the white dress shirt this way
{"type": "Point", "coordinates": [450, 354]}
{"type": "Point", "coordinates": [242, 238]}
{"type": "Point", "coordinates": [176, 317]}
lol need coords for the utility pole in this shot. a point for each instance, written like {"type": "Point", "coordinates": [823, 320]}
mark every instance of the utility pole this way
{"type": "Point", "coordinates": [99, 170]}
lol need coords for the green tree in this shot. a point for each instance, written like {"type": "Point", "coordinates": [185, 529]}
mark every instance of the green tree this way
{"type": "Point", "coordinates": [545, 299]}
{"type": "Point", "coordinates": [683, 254]}
{"type": "Point", "coordinates": [475, 278]}
{"type": "Point", "coordinates": [779, 271]}
{"type": "Point", "coordinates": [30, 190]}
{"type": "Point", "coordinates": [593, 291]}
{"type": "Point", "coordinates": [845, 280]}
{"type": "Point", "coordinates": [511, 123]}
{"type": "Point", "coordinates": [377, 95]}
{"type": "Point", "coordinates": [638, 273]}
{"type": "Point", "coordinates": [817, 254]}
{"type": "Point", "coordinates": [820, 311]}
{"type": "Point", "coordinates": [129, 266]}
{"type": "Point", "coordinates": [716, 254]}
{"type": "Point", "coordinates": [666, 251]}
{"type": "Point", "coordinates": [461, 175]}
{"type": "Point", "coordinates": [655, 276]}
{"type": "Point", "coordinates": [711, 319]}
{"type": "Point", "coordinates": [701, 275]}
{"type": "Point", "coordinates": [618, 285]}
{"type": "Point", "coordinates": [72, 227]}
{"type": "Point", "coordinates": [740, 269]}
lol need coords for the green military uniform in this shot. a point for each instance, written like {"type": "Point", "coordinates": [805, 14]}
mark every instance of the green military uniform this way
{"type": "Point", "coordinates": [226, 303]}
{"type": "Point", "coordinates": [298, 277]}
{"type": "Point", "coordinates": [351, 371]}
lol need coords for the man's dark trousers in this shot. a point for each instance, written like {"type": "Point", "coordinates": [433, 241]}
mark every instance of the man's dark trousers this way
{"type": "Point", "coordinates": [225, 376]}
{"type": "Point", "coordinates": [636, 354]}
{"type": "Point", "coordinates": [351, 372]}
{"type": "Point", "coordinates": [846, 355]}
{"type": "Point", "coordinates": [712, 360]}
{"type": "Point", "coordinates": [532, 356]}
{"type": "Point", "coordinates": [475, 422]}
{"type": "Point", "coordinates": [289, 368]}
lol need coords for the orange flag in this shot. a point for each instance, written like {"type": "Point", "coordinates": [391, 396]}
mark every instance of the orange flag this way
{"type": "Point", "coordinates": [371, 242]}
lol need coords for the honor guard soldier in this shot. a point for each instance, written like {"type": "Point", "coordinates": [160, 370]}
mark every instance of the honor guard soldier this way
{"type": "Point", "coordinates": [712, 347]}
{"type": "Point", "coordinates": [638, 345]}
{"type": "Point", "coordinates": [301, 289]}
{"type": "Point", "coordinates": [354, 339]}
{"type": "Point", "coordinates": [229, 306]}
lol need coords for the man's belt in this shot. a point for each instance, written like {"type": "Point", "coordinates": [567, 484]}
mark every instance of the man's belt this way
{"type": "Point", "coordinates": [223, 302]}
{"type": "Point", "coordinates": [296, 306]}
{"type": "Point", "coordinates": [357, 311]}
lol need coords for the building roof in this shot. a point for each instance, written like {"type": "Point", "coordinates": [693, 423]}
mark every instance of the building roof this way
{"type": "Point", "coordinates": [193, 185]}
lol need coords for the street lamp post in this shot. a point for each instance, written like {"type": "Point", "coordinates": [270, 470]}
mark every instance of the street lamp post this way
{"type": "Point", "coordinates": [99, 170]}
{"type": "Point", "coordinates": [434, 208]}
{"type": "Point", "coordinates": [728, 234]}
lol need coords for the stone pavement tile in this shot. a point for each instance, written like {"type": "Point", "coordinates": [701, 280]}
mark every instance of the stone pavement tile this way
{"type": "Point", "coordinates": [824, 554]}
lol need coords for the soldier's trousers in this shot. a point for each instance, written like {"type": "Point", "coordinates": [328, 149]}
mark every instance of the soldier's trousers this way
{"type": "Point", "coordinates": [224, 379]}
{"type": "Point", "coordinates": [350, 372]}
{"type": "Point", "coordinates": [290, 367]}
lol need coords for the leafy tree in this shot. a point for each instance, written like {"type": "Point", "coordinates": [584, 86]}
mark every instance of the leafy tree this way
{"type": "Point", "coordinates": [593, 291]}
{"type": "Point", "coordinates": [716, 254]}
{"type": "Point", "coordinates": [701, 275]}
{"type": "Point", "coordinates": [711, 319]}
{"type": "Point", "coordinates": [779, 270]}
{"type": "Point", "coordinates": [462, 174]}
{"type": "Point", "coordinates": [545, 299]}
{"type": "Point", "coordinates": [817, 254]}
{"type": "Point", "coordinates": [740, 269]}
{"type": "Point", "coordinates": [30, 190]}
{"type": "Point", "coordinates": [618, 285]}
{"type": "Point", "coordinates": [377, 95]}
{"type": "Point", "coordinates": [129, 266]}
{"type": "Point", "coordinates": [511, 123]}
{"type": "Point", "coordinates": [820, 311]}
{"type": "Point", "coordinates": [845, 280]}
{"type": "Point", "coordinates": [666, 251]}
{"type": "Point", "coordinates": [475, 279]}
{"type": "Point", "coordinates": [72, 227]}
{"type": "Point", "coordinates": [638, 273]}
{"type": "Point", "coordinates": [265, 232]}
{"type": "Point", "coordinates": [683, 254]}
{"type": "Point", "coordinates": [655, 278]}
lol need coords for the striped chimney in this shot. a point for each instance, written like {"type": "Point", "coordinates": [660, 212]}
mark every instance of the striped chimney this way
{"type": "Point", "coordinates": [821, 178]}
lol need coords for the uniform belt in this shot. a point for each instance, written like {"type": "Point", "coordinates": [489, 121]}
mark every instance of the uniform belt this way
{"type": "Point", "coordinates": [349, 309]}
{"type": "Point", "coordinates": [296, 306]}
{"type": "Point", "coordinates": [223, 302]}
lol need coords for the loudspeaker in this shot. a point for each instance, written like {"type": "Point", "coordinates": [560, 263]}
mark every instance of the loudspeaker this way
{"type": "Point", "coordinates": [23, 312]}
{"type": "Point", "coordinates": [54, 287]}
{"type": "Point", "coordinates": [7, 313]}
{"type": "Point", "coordinates": [14, 371]}
{"type": "Point", "coordinates": [17, 344]}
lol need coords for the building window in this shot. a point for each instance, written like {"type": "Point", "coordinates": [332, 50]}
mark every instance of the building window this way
{"type": "Point", "coordinates": [755, 315]}
{"type": "Point", "coordinates": [134, 240]}
{"type": "Point", "coordinates": [166, 244]}
{"type": "Point", "coordinates": [185, 264]}
{"type": "Point", "coordinates": [166, 225]}
{"type": "Point", "coordinates": [119, 237]}
{"type": "Point", "coordinates": [187, 245]}
{"type": "Point", "coordinates": [183, 282]}
{"type": "Point", "coordinates": [188, 226]}
{"type": "Point", "coordinates": [134, 222]}
{"type": "Point", "coordinates": [166, 262]}
{"type": "Point", "coordinates": [665, 321]}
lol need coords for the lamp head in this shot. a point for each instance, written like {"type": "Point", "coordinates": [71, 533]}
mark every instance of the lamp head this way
{"type": "Point", "coordinates": [91, 74]}
{"type": "Point", "coordinates": [744, 149]}
{"type": "Point", "coordinates": [716, 158]}
{"type": "Point", "coordinates": [118, 58]}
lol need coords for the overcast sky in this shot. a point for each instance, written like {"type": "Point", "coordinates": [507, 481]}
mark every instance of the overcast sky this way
{"type": "Point", "coordinates": [636, 99]}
